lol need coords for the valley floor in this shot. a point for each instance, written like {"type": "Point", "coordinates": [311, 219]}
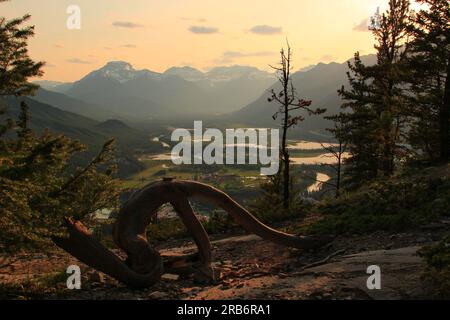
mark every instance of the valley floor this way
{"type": "Point", "coordinates": [249, 268]}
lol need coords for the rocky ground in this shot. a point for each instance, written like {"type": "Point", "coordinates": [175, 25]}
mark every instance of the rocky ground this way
{"type": "Point", "coordinates": [249, 268]}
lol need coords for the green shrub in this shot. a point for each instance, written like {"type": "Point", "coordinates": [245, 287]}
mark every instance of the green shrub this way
{"type": "Point", "coordinates": [268, 207]}
{"type": "Point", "coordinates": [39, 287]}
{"type": "Point", "coordinates": [437, 267]}
{"type": "Point", "coordinates": [393, 205]}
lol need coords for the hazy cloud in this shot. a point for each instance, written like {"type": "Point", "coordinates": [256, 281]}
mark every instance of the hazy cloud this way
{"type": "Point", "coordinates": [128, 46]}
{"type": "Point", "coordinates": [78, 61]}
{"type": "Point", "coordinates": [266, 30]}
{"type": "Point", "coordinates": [363, 26]}
{"type": "Point", "coordinates": [126, 24]}
{"type": "Point", "coordinates": [230, 56]}
{"type": "Point", "coordinates": [193, 19]}
{"type": "Point", "coordinates": [240, 54]}
{"type": "Point", "coordinates": [203, 30]}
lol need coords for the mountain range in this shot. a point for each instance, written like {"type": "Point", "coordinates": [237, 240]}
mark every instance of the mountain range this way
{"type": "Point", "coordinates": [129, 93]}
{"type": "Point", "coordinates": [318, 84]}
{"type": "Point", "coordinates": [90, 132]}
{"type": "Point", "coordinates": [234, 96]}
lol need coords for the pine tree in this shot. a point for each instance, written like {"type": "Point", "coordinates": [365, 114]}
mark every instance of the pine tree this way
{"type": "Point", "coordinates": [429, 60]}
{"type": "Point", "coordinates": [37, 185]}
{"type": "Point", "coordinates": [388, 81]}
{"type": "Point", "coordinates": [15, 64]}
{"type": "Point", "coordinates": [377, 99]}
{"type": "Point", "coordinates": [339, 131]}
{"type": "Point", "coordinates": [360, 118]}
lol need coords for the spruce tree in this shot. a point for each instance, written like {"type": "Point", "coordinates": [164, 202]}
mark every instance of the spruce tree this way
{"type": "Point", "coordinates": [429, 61]}
{"type": "Point", "coordinates": [388, 78]}
{"type": "Point", "coordinates": [375, 103]}
{"type": "Point", "coordinates": [38, 186]}
{"type": "Point", "coordinates": [360, 120]}
{"type": "Point", "coordinates": [16, 67]}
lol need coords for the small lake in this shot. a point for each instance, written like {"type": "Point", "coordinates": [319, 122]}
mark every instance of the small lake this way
{"type": "Point", "coordinates": [321, 178]}
{"type": "Point", "coordinates": [325, 158]}
{"type": "Point", "coordinates": [309, 145]}
{"type": "Point", "coordinates": [310, 158]}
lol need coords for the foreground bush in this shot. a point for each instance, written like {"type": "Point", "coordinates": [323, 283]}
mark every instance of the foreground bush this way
{"type": "Point", "coordinates": [393, 205]}
{"type": "Point", "coordinates": [437, 267]}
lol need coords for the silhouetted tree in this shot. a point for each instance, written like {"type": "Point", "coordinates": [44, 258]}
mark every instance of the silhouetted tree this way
{"type": "Point", "coordinates": [361, 125]}
{"type": "Point", "coordinates": [377, 99]}
{"type": "Point", "coordinates": [429, 60]}
{"type": "Point", "coordinates": [15, 64]}
{"type": "Point", "coordinates": [289, 102]}
{"type": "Point", "coordinates": [338, 152]}
{"type": "Point", "coordinates": [37, 188]}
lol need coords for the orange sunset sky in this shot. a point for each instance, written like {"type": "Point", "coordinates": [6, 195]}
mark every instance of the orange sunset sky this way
{"type": "Point", "coordinates": [158, 34]}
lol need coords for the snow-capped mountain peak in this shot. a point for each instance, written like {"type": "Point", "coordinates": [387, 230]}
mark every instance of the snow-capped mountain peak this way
{"type": "Point", "coordinates": [186, 73]}
{"type": "Point", "coordinates": [119, 70]}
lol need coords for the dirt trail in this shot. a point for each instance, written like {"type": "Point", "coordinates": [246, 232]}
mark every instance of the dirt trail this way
{"type": "Point", "coordinates": [250, 268]}
{"type": "Point", "coordinates": [342, 277]}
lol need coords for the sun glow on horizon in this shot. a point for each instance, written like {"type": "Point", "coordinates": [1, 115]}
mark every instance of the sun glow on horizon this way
{"type": "Point", "coordinates": [158, 35]}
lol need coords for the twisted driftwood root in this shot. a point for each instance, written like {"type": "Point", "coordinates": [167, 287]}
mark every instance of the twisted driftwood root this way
{"type": "Point", "coordinates": [144, 265]}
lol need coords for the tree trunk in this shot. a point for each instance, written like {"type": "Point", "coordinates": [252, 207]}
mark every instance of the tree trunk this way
{"type": "Point", "coordinates": [285, 173]}
{"type": "Point", "coordinates": [286, 191]}
{"type": "Point", "coordinates": [82, 245]}
{"type": "Point", "coordinates": [339, 168]}
{"type": "Point", "coordinates": [286, 182]}
{"type": "Point", "coordinates": [144, 266]}
{"type": "Point", "coordinates": [444, 120]}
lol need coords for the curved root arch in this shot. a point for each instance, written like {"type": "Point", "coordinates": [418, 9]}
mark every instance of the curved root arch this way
{"type": "Point", "coordinates": [144, 265]}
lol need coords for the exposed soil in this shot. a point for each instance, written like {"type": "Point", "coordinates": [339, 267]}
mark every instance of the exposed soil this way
{"type": "Point", "coordinates": [250, 268]}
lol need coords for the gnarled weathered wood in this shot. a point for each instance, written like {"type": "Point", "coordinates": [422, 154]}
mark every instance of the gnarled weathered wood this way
{"type": "Point", "coordinates": [82, 245]}
{"type": "Point", "coordinates": [144, 265]}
